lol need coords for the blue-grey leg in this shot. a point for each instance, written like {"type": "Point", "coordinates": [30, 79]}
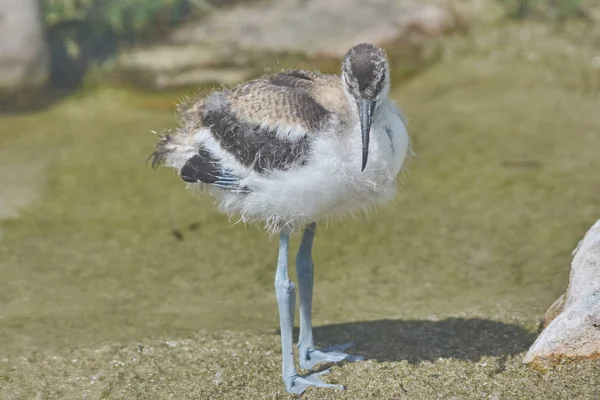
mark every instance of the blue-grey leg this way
{"type": "Point", "coordinates": [286, 301]}
{"type": "Point", "coordinates": [309, 355]}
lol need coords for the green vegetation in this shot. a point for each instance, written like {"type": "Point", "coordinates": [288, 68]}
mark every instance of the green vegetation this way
{"type": "Point", "coordinates": [84, 33]}
{"type": "Point", "coordinates": [125, 17]}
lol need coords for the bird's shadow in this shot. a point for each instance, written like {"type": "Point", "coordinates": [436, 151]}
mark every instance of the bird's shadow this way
{"type": "Point", "coordinates": [424, 340]}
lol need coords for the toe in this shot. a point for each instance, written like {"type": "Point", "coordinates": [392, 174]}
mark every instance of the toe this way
{"type": "Point", "coordinates": [298, 384]}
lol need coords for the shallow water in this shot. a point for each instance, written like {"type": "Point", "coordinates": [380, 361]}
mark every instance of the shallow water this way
{"type": "Point", "coordinates": [460, 268]}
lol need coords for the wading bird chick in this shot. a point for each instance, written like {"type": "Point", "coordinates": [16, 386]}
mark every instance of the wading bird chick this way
{"type": "Point", "coordinates": [291, 149]}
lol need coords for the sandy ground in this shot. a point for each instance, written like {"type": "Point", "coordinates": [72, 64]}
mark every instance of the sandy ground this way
{"type": "Point", "coordinates": [119, 284]}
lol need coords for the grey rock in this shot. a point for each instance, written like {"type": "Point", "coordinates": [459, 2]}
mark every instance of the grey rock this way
{"type": "Point", "coordinates": [575, 332]}
{"type": "Point", "coordinates": [200, 76]}
{"type": "Point", "coordinates": [166, 66]}
{"type": "Point", "coordinates": [316, 26]}
{"type": "Point", "coordinates": [236, 37]}
{"type": "Point", "coordinates": [24, 62]}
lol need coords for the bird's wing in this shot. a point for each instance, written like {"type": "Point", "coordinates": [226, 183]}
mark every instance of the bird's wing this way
{"type": "Point", "coordinates": [269, 123]}
{"type": "Point", "coordinates": [279, 101]}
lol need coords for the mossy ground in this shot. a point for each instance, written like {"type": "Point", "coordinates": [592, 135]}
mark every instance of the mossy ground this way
{"type": "Point", "coordinates": [119, 284]}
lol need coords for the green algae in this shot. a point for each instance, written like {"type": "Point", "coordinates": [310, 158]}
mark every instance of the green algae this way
{"type": "Point", "coordinates": [120, 284]}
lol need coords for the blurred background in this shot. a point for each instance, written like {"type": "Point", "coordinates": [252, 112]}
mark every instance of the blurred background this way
{"type": "Point", "coordinates": [116, 282]}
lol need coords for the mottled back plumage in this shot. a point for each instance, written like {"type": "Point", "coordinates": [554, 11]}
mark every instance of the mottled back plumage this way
{"type": "Point", "coordinates": [246, 118]}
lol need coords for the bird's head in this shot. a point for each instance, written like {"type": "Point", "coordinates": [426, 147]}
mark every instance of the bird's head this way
{"type": "Point", "coordinates": [366, 81]}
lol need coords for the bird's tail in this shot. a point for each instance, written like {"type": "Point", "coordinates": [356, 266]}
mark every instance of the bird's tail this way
{"type": "Point", "coordinates": [176, 146]}
{"type": "Point", "coordinates": [173, 149]}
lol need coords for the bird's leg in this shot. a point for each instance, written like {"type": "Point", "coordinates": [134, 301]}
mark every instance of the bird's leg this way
{"type": "Point", "coordinates": [286, 301]}
{"type": "Point", "coordinates": [309, 355]}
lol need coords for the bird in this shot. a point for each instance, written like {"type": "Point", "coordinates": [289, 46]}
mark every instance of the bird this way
{"type": "Point", "coordinates": [289, 150]}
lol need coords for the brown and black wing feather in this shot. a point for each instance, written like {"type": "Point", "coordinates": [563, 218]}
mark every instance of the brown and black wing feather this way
{"type": "Point", "coordinates": [202, 167]}
{"type": "Point", "coordinates": [245, 121]}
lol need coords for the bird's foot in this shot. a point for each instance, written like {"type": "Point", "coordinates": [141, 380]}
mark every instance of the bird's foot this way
{"type": "Point", "coordinates": [297, 384]}
{"type": "Point", "coordinates": [309, 357]}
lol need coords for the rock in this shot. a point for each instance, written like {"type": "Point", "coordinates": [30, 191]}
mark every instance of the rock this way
{"type": "Point", "coordinates": [554, 310]}
{"type": "Point", "coordinates": [239, 36]}
{"type": "Point", "coordinates": [316, 26]}
{"type": "Point", "coordinates": [479, 12]}
{"type": "Point", "coordinates": [223, 76]}
{"type": "Point", "coordinates": [162, 67]}
{"type": "Point", "coordinates": [24, 62]}
{"type": "Point", "coordinates": [431, 20]}
{"type": "Point", "coordinates": [575, 332]}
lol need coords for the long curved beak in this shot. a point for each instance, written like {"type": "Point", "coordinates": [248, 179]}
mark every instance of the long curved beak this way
{"type": "Point", "coordinates": [365, 113]}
